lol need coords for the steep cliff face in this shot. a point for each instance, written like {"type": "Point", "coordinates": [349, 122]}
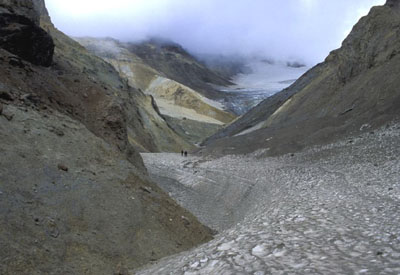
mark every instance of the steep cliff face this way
{"type": "Point", "coordinates": [75, 197]}
{"type": "Point", "coordinates": [187, 111]}
{"type": "Point", "coordinates": [21, 7]}
{"type": "Point", "coordinates": [354, 90]}
{"type": "Point", "coordinates": [20, 34]}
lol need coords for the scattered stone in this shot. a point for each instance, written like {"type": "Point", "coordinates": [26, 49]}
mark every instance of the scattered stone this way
{"type": "Point", "coordinates": [57, 131]}
{"type": "Point", "coordinates": [226, 246]}
{"type": "Point", "coordinates": [280, 250]}
{"type": "Point", "coordinates": [52, 229]}
{"type": "Point", "coordinates": [16, 62]}
{"type": "Point", "coordinates": [365, 126]}
{"type": "Point", "coordinates": [6, 96]}
{"type": "Point", "coordinates": [30, 98]}
{"type": "Point", "coordinates": [259, 250]}
{"type": "Point", "coordinates": [121, 270]}
{"type": "Point", "coordinates": [62, 167]}
{"type": "Point", "coordinates": [379, 253]}
{"type": "Point", "coordinates": [185, 220]}
{"type": "Point", "coordinates": [8, 116]}
{"type": "Point", "coordinates": [146, 189]}
{"type": "Point", "coordinates": [390, 188]}
{"type": "Point", "coordinates": [346, 111]}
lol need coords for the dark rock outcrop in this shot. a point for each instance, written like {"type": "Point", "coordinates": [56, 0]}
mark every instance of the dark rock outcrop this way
{"type": "Point", "coordinates": [24, 8]}
{"type": "Point", "coordinates": [20, 31]}
{"type": "Point", "coordinates": [22, 37]}
{"type": "Point", "coordinates": [393, 3]}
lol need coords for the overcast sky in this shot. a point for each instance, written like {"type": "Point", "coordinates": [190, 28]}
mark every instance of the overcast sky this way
{"type": "Point", "coordinates": [305, 30]}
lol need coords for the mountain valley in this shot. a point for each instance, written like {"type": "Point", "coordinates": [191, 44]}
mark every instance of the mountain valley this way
{"type": "Point", "coordinates": [290, 170]}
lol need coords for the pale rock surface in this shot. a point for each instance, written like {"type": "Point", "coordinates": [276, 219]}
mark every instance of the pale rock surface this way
{"type": "Point", "coordinates": [327, 210]}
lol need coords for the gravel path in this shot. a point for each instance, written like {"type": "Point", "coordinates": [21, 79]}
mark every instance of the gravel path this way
{"type": "Point", "coordinates": [328, 210]}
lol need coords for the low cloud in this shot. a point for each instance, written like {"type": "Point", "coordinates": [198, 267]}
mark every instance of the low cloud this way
{"type": "Point", "coordinates": [305, 30]}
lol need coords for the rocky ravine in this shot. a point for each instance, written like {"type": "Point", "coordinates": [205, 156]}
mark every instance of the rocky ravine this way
{"type": "Point", "coordinates": [331, 209]}
{"type": "Point", "coordinates": [174, 79]}
{"type": "Point", "coordinates": [75, 197]}
{"type": "Point", "coordinates": [327, 209]}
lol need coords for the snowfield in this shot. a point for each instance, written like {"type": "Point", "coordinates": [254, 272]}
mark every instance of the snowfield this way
{"type": "Point", "coordinates": [331, 209]}
{"type": "Point", "coordinates": [264, 81]}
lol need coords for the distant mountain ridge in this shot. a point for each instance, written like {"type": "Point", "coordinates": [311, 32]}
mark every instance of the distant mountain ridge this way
{"type": "Point", "coordinates": [177, 64]}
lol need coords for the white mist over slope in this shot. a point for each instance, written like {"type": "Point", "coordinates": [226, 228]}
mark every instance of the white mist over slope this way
{"type": "Point", "coordinates": [304, 30]}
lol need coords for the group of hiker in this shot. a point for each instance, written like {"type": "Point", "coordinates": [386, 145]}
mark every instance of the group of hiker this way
{"type": "Point", "coordinates": [184, 153]}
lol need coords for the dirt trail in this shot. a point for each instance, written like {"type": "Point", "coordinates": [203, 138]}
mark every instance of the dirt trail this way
{"type": "Point", "coordinates": [328, 210]}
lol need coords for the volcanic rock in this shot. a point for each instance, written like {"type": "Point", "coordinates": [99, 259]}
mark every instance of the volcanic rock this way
{"type": "Point", "coordinates": [22, 37]}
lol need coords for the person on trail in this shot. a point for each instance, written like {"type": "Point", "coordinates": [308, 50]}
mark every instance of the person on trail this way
{"type": "Point", "coordinates": [185, 153]}
{"type": "Point", "coordinates": [182, 153]}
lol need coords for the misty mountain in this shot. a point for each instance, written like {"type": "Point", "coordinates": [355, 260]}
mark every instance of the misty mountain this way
{"type": "Point", "coordinates": [177, 64]}
{"type": "Point", "coordinates": [227, 66]}
{"type": "Point", "coordinates": [353, 91]}
{"type": "Point", "coordinates": [92, 180]}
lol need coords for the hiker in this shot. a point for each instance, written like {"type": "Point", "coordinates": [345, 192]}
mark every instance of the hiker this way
{"type": "Point", "coordinates": [185, 153]}
{"type": "Point", "coordinates": [182, 153]}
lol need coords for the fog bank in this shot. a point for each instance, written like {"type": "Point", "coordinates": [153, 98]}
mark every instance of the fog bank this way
{"type": "Point", "coordinates": [304, 30]}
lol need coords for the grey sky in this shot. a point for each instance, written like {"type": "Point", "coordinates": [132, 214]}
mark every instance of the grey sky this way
{"type": "Point", "coordinates": [291, 29]}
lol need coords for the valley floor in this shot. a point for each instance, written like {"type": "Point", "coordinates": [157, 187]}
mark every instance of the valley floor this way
{"type": "Point", "coordinates": [327, 210]}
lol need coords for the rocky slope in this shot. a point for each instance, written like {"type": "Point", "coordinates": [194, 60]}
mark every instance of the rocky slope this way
{"type": "Point", "coordinates": [178, 65]}
{"type": "Point", "coordinates": [147, 129]}
{"type": "Point", "coordinates": [227, 66]}
{"type": "Point", "coordinates": [75, 197]}
{"type": "Point", "coordinates": [187, 111]}
{"type": "Point", "coordinates": [329, 209]}
{"type": "Point", "coordinates": [354, 90]}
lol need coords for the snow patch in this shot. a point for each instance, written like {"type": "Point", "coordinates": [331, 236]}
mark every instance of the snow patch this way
{"type": "Point", "coordinates": [256, 127]}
